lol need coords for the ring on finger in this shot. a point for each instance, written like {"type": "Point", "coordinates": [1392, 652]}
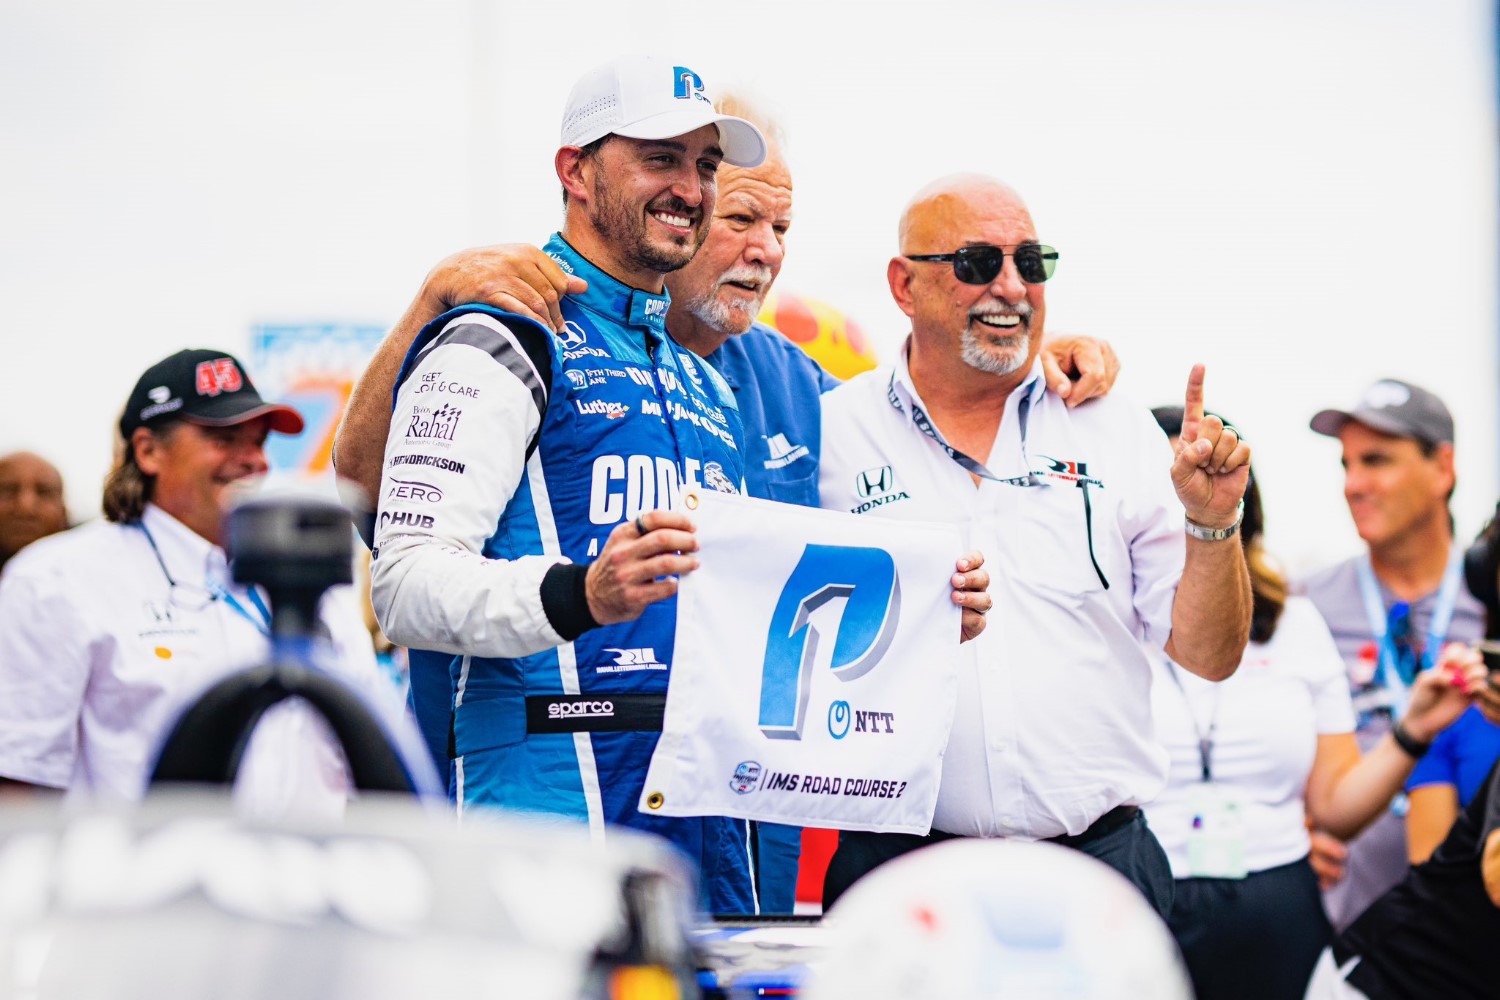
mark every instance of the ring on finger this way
{"type": "Point", "coordinates": [640, 525]}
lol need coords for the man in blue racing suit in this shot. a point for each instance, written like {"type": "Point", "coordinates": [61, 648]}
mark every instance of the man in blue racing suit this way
{"type": "Point", "coordinates": [526, 517]}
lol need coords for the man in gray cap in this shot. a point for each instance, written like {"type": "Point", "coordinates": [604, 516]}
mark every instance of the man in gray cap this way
{"type": "Point", "coordinates": [1392, 607]}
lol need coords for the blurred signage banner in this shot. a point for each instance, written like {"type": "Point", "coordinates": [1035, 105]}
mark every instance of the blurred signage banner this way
{"type": "Point", "coordinates": [311, 366]}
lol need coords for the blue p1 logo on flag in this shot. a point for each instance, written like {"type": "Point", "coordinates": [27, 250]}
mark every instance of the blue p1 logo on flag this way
{"type": "Point", "coordinates": [866, 578]}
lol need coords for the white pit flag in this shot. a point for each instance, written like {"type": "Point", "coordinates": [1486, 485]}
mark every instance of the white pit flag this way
{"type": "Point", "coordinates": [814, 671]}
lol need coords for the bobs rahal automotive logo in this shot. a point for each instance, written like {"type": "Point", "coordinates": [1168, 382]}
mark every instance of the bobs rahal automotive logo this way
{"type": "Point", "coordinates": [428, 424]}
{"type": "Point", "coordinates": [876, 487]}
{"type": "Point", "coordinates": [746, 777]}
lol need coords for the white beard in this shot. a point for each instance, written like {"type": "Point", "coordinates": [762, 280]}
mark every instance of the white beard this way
{"type": "Point", "coordinates": [997, 360]}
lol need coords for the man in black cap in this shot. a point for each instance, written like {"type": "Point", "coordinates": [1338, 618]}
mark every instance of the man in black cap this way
{"type": "Point", "coordinates": [1392, 607]}
{"type": "Point", "coordinates": [108, 629]}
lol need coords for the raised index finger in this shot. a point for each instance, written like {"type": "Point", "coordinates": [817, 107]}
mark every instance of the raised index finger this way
{"type": "Point", "coordinates": [1192, 407]}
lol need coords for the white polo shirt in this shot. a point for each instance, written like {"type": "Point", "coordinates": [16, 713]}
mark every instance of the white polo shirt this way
{"type": "Point", "coordinates": [1053, 727]}
{"type": "Point", "coordinates": [96, 662]}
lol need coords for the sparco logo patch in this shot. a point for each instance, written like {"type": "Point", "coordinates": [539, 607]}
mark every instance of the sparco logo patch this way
{"type": "Point", "coordinates": [581, 710]}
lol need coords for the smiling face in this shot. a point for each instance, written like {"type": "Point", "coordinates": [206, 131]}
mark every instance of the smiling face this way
{"type": "Point", "coordinates": [722, 290]}
{"type": "Point", "coordinates": [1392, 488]}
{"type": "Point", "coordinates": [197, 469]}
{"type": "Point", "coordinates": [640, 208]}
{"type": "Point", "coordinates": [996, 327]}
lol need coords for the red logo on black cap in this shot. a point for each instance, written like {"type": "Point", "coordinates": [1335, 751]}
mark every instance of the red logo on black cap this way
{"type": "Point", "coordinates": [219, 375]}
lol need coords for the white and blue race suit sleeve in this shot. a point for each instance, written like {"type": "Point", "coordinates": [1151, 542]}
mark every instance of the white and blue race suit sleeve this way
{"type": "Point", "coordinates": [513, 453]}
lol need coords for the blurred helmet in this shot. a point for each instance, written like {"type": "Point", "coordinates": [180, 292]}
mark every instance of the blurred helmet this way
{"type": "Point", "coordinates": [997, 920]}
{"type": "Point", "coordinates": [181, 898]}
{"type": "Point", "coordinates": [826, 334]}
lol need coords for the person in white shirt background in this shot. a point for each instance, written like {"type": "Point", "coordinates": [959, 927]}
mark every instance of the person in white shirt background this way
{"type": "Point", "coordinates": [1076, 512]}
{"type": "Point", "coordinates": [1249, 755]}
{"type": "Point", "coordinates": [109, 630]}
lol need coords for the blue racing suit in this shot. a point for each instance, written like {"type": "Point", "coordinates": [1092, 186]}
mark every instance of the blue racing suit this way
{"type": "Point", "coordinates": [513, 453]}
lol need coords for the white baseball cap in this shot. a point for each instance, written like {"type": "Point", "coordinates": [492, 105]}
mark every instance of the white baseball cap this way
{"type": "Point", "coordinates": [646, 97]}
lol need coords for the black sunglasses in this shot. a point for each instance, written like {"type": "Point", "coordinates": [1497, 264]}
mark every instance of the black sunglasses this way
{"type": "Point", "coordinates": [979, 265]}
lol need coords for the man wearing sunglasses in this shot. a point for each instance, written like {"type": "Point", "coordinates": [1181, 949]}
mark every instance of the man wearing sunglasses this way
{"type": "Point", "coordinates": [1390, 609]}
{"type": "Point", "coordinates": [1076, 513]}
{"type": "Point", "coordinates": [108, 630]}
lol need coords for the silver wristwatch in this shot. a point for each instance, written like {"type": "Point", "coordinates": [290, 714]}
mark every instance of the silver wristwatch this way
{"type": "Point", "coordinates": [1203, 534]}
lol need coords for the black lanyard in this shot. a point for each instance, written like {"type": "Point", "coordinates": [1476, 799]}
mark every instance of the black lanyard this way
{"type": "Point", "coordinates": [977, 468]}
{"type": "Point", "coordinates": [1205, 740]}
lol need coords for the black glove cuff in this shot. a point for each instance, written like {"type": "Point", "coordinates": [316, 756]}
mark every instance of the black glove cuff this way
{"type": "Point", "coordinates": [565, 600]}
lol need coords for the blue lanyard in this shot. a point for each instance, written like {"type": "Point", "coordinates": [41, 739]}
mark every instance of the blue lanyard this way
{"type": "Point", "coordinates": [1437, 628]}
{"type": "Point", "coordinates": [262, 621]}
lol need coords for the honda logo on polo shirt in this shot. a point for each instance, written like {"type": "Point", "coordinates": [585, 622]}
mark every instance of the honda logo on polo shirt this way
{"type": "Point", "coordinates": [874, 481]}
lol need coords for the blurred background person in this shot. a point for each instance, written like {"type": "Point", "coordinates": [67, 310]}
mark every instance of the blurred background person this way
{"type": "Point", "coordinates": [1250, 755]}
{"type": "Point", "coordinates": [1451, 774]}
{"type": "Point", "coordinates": [1393, 606]}
{"type": "Point", "coordinates": [107, 631]}
{"type": "Point", "coordinates": [1434, 934]}
{"type": "Point", "coordinates": [31, 502]}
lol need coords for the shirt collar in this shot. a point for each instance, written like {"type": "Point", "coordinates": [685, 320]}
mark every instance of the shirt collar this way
{"type": "Point", "coordinates": [1033, 388]}
{"type": "Point", "coordinates": [608, 295]}
{"type": "Point", "coordinates": [186, 553]}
